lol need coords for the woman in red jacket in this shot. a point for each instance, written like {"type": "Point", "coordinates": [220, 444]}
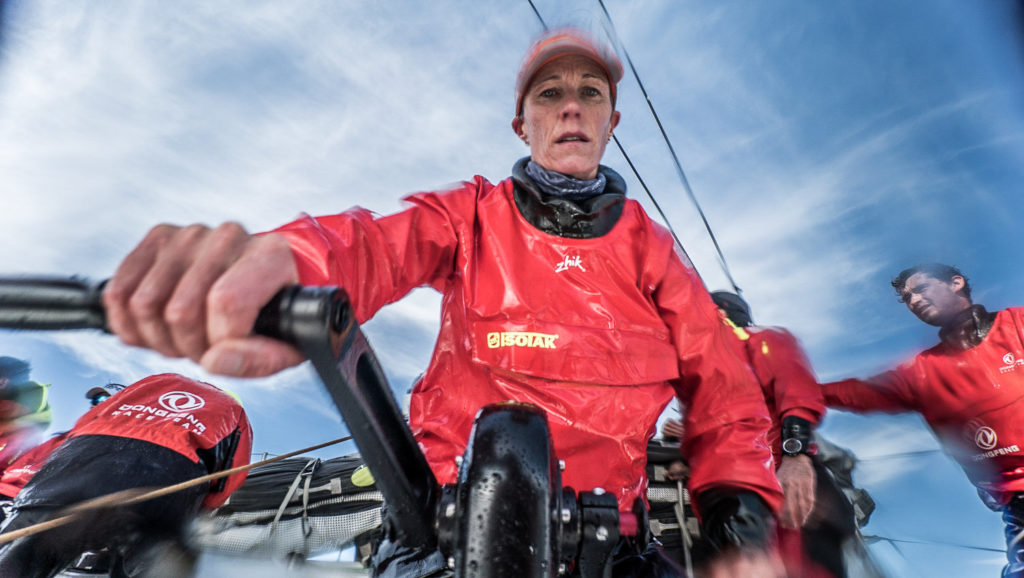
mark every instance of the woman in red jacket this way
{"type": "Point", "coordinates": [558, 291]}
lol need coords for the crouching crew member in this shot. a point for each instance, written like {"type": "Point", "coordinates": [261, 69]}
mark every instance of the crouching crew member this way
{"type": "Point", "coordinates": [163, 430]}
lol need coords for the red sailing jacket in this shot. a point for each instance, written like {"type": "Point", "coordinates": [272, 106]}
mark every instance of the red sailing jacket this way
{"type": "Point", "coordinates": [169, 410]}
{"type": "Point", "coordinates": [14, 445]}
{"type": "Point", "coordinates": [27, 465]}
{"type": "Point", "coordinates": [972, 399]}
{"type": "Point", "coordinates": [598, 332]}
{"type": "Point", "coordinates": [786, 377]}
{"type": "Point", "coordinates": [24, 416]}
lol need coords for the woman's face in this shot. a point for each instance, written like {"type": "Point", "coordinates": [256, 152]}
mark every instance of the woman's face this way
{"type": "Point", "coordinates": [567, 116]}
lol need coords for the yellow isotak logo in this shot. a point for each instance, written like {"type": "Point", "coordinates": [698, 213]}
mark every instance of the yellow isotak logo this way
{"type": "Point", "coordinates": [520, 339]}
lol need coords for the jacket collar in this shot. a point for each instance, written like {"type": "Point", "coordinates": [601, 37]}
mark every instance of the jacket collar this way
{"type": "Point", "coordinates": [585, 219]}
{"type": "Point", "coordinates": [968, 329]}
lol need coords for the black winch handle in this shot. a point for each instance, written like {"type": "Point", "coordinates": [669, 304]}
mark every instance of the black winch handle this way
{"type": "Point", "coordinates": [51, 303]}
{"type": "Point", "coordinates": [320, 323]}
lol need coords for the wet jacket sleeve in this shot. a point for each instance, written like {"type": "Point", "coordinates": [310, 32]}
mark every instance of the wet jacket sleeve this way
{"type": "Point", "coordinates": [726, 420]}
{"type": "Point", "coordinates": [378, 260]}
{"type": "Point", "coordinates": [796, 390]}
{"type": "Point", "coordinates": [887, 392]}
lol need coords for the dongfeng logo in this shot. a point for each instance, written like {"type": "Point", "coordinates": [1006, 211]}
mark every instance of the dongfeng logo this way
{"type": "Point", "coordinates": [985, 437]}
{"type": "Point", "coordinates": [181, 401]}
{"type": "Point", "coordinates": [1010, 362]}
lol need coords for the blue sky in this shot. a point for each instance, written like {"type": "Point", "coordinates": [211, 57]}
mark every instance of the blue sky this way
{"type": "Point", "coordinates": [831, 144]}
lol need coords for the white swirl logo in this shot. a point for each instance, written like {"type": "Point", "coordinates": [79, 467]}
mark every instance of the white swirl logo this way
{"type": "Point", "coordinates": [1008, 359]}
{"type": "Point", "coordinates": [985, 437]}
{"type": "Point", "coordinates": [180, 401]}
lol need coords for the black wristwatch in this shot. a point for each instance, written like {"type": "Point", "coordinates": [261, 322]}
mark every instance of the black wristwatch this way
{"type": "Point", "coordinates": [793, 447]}
{"type": "Point", "coordinates": [796, 436]}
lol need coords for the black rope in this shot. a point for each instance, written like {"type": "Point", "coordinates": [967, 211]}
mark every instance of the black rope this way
{"type": "Point", "coordinates": [675, 158]}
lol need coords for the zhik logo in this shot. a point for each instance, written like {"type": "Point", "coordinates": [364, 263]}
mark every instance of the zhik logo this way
{"type": "Point", "coordinates": [568, 262]}
{"type": "Point", "coordinates": [181, 401]}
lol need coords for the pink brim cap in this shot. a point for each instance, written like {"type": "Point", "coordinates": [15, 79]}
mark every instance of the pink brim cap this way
{"type": "Point", "coordinates": [559, 42]}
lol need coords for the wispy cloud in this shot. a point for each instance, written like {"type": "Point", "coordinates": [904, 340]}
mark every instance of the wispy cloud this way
{"type": "Point", "coordinates": [121, 364]}
{"type": "Point", "coordinates": [829, 146]}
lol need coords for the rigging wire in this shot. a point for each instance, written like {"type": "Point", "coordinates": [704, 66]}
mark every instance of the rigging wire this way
{"type": "Point", "coordinates": [675, 157]}
{"type": "Point", "coordinates": [869, 539]}
{"type": "Point", "coordinates": [539, 17]}
{"type": "Point", "coordinates": [650, 195]}
{"type": "Point", "coordinates": [912, 454]}
{"type": "Point", "coordinates": [872, 539]}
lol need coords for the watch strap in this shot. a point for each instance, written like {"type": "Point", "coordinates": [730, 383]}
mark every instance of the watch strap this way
{"type": "Point", "coordinates": [796, 436]}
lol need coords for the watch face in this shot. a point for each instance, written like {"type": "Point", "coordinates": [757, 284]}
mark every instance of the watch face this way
{"type": "Point", "coordinates": [792, 446]}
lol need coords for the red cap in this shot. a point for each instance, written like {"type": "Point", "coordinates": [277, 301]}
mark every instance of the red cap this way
{"type": "Point", "coordinates": [558, 42]}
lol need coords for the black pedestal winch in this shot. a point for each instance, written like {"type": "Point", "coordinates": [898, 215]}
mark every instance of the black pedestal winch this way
{"type": "Point", "coordinates": [508, 514]}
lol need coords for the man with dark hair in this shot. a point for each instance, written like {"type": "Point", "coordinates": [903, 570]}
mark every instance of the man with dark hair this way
{"type": "Point", "coordinates": [944, 273]}
{"type": "Point", "coordinates": [969, 388]}
{"type": "Point", "coordinates": [816, 518]}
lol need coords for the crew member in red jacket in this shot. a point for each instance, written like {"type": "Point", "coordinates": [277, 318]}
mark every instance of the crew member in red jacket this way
{"type": "Point", "coordinates": [816, 517]}
{"type": "Point", "coordinates": [24, 410]}
{"type": "Point", "coordinates": [19, 472]}
{"type": "Point", "coordinates": [163, 430]}
{"type": "Point", "coordinates": [557, 289]}
{"type": "Point", "coordinates": [27, 465]}
{"type": "Point", "coordinates": [969, 388]}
